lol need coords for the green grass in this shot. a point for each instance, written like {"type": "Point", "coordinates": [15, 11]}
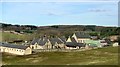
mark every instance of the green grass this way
{"type": "Point", "coordinates": [102, 56]}
{"type": "Point", "coordinates": [11, 37]}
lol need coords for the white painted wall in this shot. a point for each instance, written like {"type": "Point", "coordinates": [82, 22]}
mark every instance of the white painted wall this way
{"type": "Point", "coordinates": [82, 40]}
{"type": "Point", "coordinates": [74, 36]}
{"type": "Point", "coordinates": [16, 51]}
{"type": "Point", "coordinates": [115, 44]}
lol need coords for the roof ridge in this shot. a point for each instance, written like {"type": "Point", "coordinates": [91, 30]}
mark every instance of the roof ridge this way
{"type": "Point", "coordinates": [60, 39]}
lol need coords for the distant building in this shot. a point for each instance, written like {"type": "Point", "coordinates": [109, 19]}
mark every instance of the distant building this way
{"type": "Point", "coordinates": [40, 43]}
{"type": "Point", "coordinates": [93, 43]}
{"type": "Point", "coordinates": [96, 43]}
{"type": "Point", "coordinates": [48, 43]}
{"type": "Point", "coordinates": [115, 44]}
{"type": "Point", "coordinates": [71, 43]}
{"type": "Point", "coordinates": [57, 43]}
{"type": "Point", "coordinates": [81, 37]}
{"type": "Point", "coordinates": [103, 43]}
{"type": "Point", "coordinates": [15, 49]}
{"type": "Point", "coordinates": [76, 41]}
{"type": "Point", "coordinates": [114, 38]}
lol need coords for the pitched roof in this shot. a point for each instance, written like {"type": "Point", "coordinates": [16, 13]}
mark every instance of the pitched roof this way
{"type": "Point", "coordinates": [42, 41]}
{"type": "Point", "coordinates": [80, 44]}
{"type": "Point", "coordinates": [63, 39]}
{"type": "Point", "coordinates": [70, 44]}
{"type": "Point", "coordinates": [34, 41]}
{"type": "Point", "coordinates": [73, 40]}
{"type": "Point", "coordinates": [74, 44]}
{"type": "Point", "coordinates": [13, 46]}
{"type": "Point", "coordinates": [82, 35]}
{"type": "Point", "coordinates": [55, 40]}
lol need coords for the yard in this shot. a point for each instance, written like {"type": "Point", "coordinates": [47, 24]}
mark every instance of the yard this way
{"type": "Point", "coordinates": [101, 56]}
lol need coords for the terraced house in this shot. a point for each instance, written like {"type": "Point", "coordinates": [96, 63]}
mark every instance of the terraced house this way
{"type": "Point", "coordinates": [15, 49]}
{"type": "Point", "coordinates": [41, 43]}
{"type": "Point", "coordinates": [57, 43]}
{"type": "Point", "coordinates": [77, 41]}
{"type": "Point", "coordinates": [48, 43]}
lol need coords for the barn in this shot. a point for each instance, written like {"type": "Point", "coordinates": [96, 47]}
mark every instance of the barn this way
{"type": "Point", "coordinates": [15, 49]}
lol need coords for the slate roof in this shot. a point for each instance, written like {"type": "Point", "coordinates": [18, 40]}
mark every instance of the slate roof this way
{"type": "Point", "coordinates": [63, 39]}
{"type": "Point", "coordinates": [34, 41]}
{"type": "Point", "coordinates": [42, 41]}
{"type": "Point", "coordinates": [74, 43]}
{"type": "Point", "coordinates": [80, 44]}
{"type": "Point", "coordinates": [70, 44]}
{"type": "Point", "coordinates": [55, 40]}
{"type": "Point", "coordinates": [13, 46]}
{"type": "Point", "coordinates": [82, 35]}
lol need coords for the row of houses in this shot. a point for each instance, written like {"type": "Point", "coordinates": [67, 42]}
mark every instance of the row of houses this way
{"type": "Point", "coordinates": [77, 41]}
{"type": "Point", "coordinates": [48, 43]}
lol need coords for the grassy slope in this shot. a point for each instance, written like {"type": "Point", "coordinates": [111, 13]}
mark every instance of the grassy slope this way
{"type": "Point", "coordinates": [103, 56]}
{"type": "Point", "coordinates": [11, 37]}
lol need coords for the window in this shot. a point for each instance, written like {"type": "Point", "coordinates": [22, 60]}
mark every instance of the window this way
{"type": "Point", "coordinates": [83, 41]}
{"type": "Point", "coordinates": [80, 41]}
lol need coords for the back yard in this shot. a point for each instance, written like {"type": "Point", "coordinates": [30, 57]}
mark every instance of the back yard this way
{"type": "Point", "coordinates": [101, 56]}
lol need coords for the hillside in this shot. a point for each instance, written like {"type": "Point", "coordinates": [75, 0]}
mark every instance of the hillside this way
{"type": "Point", "coordinates": [101, 56]}
{"type": "Point", "coordinates": [9, 37]}
{"type": "Point", "coordinates": [29, 32]}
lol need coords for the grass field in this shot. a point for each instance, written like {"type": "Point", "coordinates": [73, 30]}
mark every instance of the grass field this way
{"type": "Point", "coordinates": [6, 36]}
{"type": "Point", "coordinates": [101, 56]}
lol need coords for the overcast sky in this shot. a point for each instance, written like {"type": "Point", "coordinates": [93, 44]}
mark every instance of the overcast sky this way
{"type": "Point", "coordinates": [60, 13]}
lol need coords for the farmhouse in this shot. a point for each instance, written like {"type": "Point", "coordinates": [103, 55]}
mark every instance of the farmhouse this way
{"type": "Point", "coordinates": [41, 43]}
{"type": "Point", "coordinates": [57, 43]}
{"type": "Point", "coordinates": [81, 37]}
{"type": "Point", "coordinates": [71, 43]}
{"type": "Point", "coordinates": [15, 49]}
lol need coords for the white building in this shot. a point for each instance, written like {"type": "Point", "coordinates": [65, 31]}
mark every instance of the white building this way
{"type": "Point", "coordinates": [115, 44]}
{"type": "Point", "coordinates": [15, 49]}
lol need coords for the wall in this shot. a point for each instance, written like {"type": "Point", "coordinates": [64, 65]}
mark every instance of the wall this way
{"type": "Point", "coordinates": [82, 40]}
{"type": "Point", "coordinates": [13, 50]}
{"type": "Point", "coordinates": [75, 37]}
{"type": "Point", "coordinates": [28, 51]}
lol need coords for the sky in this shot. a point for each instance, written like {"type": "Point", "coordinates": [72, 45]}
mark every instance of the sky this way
{"type": "Point", "coordinates": [59, 13]}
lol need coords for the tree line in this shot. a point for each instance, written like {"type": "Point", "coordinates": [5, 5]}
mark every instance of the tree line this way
{"type": "Point", "coordinates": [63, 30]}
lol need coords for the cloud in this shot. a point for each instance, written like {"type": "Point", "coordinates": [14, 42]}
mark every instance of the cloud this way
{"type": "Point", "coordinates": [51, 14]}
{"type": "Point", "coordinates": [98, 10]}
{"type": "Point", "coordinates": [2, 21]}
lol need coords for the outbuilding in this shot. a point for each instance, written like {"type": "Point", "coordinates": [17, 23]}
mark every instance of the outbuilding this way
{"type": "Point", "coordinates": [15, 49]}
